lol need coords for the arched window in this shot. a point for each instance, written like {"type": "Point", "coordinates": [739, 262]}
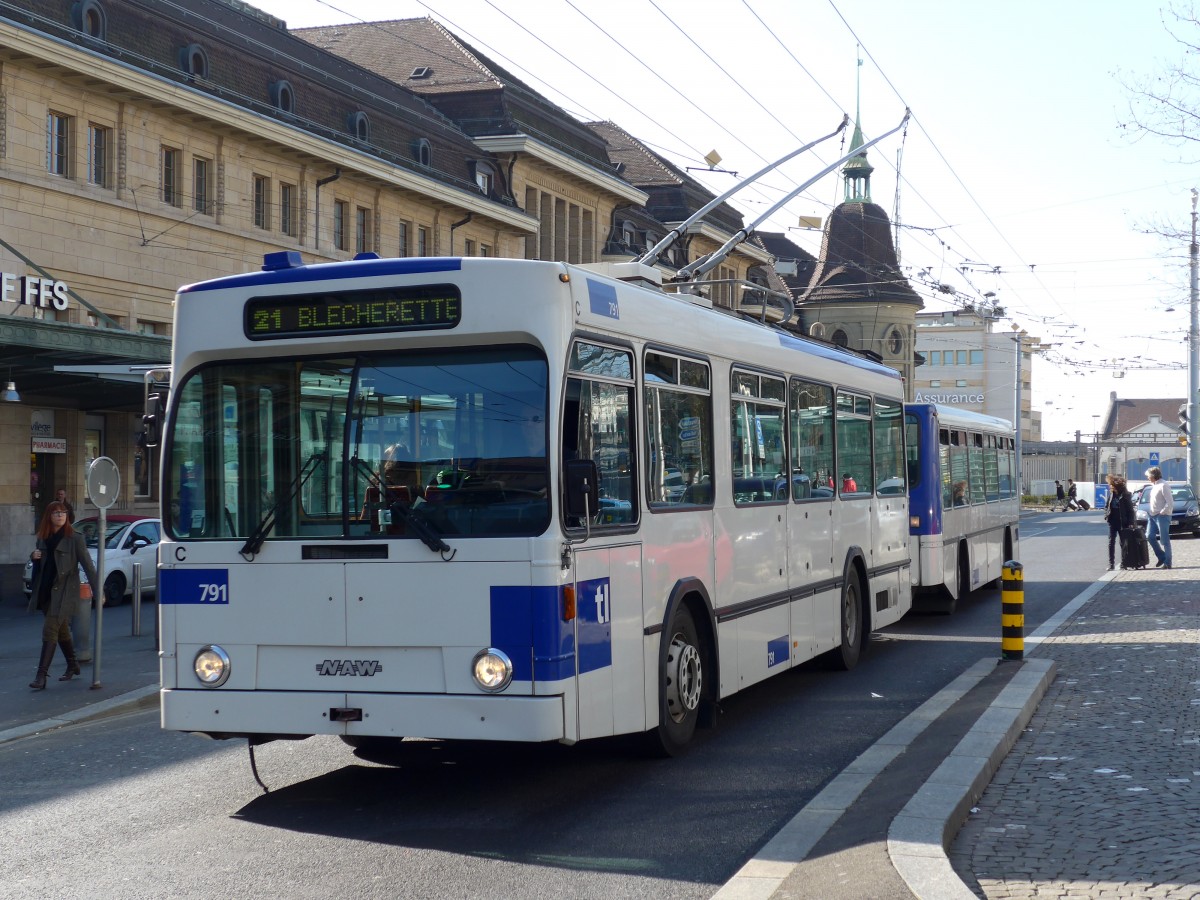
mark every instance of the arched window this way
{"type": "Point", "coordinates": [89, 17]}
{"type": "Point", "coordinates": [193, 59]}
{"type": "Point", "coordinates": [423, 151]}
{"type": "Point", "coordinates": [282, 96]}
{"type": "Point", "coordinates": [360, 126]}
{"type": "Point", "coordinates": [839, 338]}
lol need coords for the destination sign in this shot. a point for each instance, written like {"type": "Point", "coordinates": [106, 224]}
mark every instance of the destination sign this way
{"type": "Point", "coordinates": [354, 312]}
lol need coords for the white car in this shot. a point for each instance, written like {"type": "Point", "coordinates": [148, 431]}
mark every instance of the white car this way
{"type": "Point", "coordinates": [130, 539]}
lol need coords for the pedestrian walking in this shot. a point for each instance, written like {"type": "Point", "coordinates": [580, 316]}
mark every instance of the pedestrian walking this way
{"type": "Point", "coordinates": [1158, 524]}
{"type": "Point", "coordinates": [57, 556]}
{"type": "Point", "coordinates": [1060, 495]}
{"type": "Point", "coordinates": [1071, 491]}
{"type": "Point", "coordinates": [1119, 514]}
{"type": "Point", "coordinates": [849, 485]}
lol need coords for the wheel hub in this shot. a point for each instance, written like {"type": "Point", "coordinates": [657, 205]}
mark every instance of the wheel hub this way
{"type": "Point", "coordinates": [684, 679]}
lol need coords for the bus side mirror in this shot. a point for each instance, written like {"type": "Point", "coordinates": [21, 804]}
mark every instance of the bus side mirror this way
{"type": "Point", "coordinates": [152, 420]}
{"type": "Point", "coordinates": [582, 480]}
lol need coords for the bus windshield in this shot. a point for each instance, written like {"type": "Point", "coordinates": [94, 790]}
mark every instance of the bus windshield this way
{"type": "Point", "coordinates": [358, 446]}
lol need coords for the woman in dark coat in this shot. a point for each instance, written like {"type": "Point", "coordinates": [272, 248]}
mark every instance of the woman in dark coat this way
{"type": "Point", "coordinates": [1119, 513]}
{"type": "Point", "coordinates": [59, 553]}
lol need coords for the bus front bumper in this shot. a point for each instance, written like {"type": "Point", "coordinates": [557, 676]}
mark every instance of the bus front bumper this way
{"type": "Point", "coordinates": [298, 713]}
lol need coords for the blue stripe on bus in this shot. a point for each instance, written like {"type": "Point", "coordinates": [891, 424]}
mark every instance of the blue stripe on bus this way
{"type": "Point", "coordinates": [358, 268]}
{"type": "Point", "coordinates": [778, 650]}
{"type": "Point", "coordinates": [812, 348]}
{"type": "Point", "coordinates": [527, 624]}
{"type": "Point", "coordinates": [208, 587]}
{"type": "Point", "coordinates": [602, 298]}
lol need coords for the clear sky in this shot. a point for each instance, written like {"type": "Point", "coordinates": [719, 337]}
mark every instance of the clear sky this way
{"type": "Point", "coordinates": [1015, 175]}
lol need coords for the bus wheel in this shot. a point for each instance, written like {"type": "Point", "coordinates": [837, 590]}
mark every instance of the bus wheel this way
{"type": "Point", "coordinates": [681, 683]}
{"type": "Point", "coordinates": [846, 656]}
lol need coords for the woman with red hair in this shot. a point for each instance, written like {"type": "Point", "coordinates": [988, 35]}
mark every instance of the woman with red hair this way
{"type": "Point", "coordinates": [59, 553]}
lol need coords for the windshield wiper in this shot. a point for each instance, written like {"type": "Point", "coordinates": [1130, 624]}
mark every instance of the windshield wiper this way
{"type": "Point", "coordinates": [420, 525]}
{"type": "Point", "coordinates": [259, 535]}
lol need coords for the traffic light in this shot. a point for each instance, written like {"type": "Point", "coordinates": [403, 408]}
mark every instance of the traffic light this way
{"type": "Point", "coordinates": [1183, 424]}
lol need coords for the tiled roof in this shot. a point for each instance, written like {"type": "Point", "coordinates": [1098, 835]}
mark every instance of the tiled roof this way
{"type": "Point", "coordinates": [858, 260]}
{"type": "Point", "coordinates": [781, 247]}
{"type": "Point", "coordinates": [1129, 415]}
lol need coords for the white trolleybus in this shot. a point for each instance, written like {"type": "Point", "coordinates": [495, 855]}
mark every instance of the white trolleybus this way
{"type": "Point", "coordinates": [510, 500]}
{"type": "Point", "coordinates": [965, 503]}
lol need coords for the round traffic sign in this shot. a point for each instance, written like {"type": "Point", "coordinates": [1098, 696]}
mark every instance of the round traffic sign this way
{"type": "Point", "coordinates": [103, 482]}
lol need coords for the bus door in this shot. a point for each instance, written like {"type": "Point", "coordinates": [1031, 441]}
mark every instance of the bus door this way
{"type": "Point", "coordinates": [609, 658]}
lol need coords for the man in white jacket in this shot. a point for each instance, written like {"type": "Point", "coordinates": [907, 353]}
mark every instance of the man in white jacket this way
{"type": "Point", "coordinates": [1158, 522]}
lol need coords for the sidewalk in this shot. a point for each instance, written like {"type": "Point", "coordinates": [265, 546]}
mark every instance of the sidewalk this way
{"type": "Point", "coordinates": [1100, 796]}
{"type": "Point", "coordinates": [128, 670]}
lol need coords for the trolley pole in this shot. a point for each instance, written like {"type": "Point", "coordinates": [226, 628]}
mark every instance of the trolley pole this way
{"type": "Point", "coordinates": [1012, 611]}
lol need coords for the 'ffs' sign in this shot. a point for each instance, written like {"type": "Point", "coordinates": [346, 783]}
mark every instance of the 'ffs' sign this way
{"type": "Point", "coordinates": [603, 613]}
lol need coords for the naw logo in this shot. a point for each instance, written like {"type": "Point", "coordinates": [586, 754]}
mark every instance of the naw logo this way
{"type": "Point", "coordinates": [367, 667]}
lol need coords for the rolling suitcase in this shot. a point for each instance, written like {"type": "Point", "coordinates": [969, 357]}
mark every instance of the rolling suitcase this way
{"type": "Point", "coordinates": [1135, 550]}
{"type": "Point", "coordinates": [1084, 505]}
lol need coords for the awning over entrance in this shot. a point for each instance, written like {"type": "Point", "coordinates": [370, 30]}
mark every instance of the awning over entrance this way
{"type": "Point", "coordinates": [76, 366]}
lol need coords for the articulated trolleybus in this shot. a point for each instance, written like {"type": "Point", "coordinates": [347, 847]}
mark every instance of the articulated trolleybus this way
{"type": "Point", "coordinates": [965, 501]}
{"type": "Point", "coordinates": [509, 500]}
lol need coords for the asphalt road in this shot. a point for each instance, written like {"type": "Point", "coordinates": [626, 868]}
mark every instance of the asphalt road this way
{"type": "Point", "coordinates": [119, 807]}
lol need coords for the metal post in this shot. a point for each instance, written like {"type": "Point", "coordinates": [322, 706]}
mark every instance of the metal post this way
{"type": "Point", "coordinates": [1193, 407]}
{"type": "Point", "coordinates": [1017, 411]}
{"type": "Point", "coordinates": [98, 602]}
{"type": "Point", "coordinates": [137, 600]}
{"type": "Point", "coordinates": [1012, 611]}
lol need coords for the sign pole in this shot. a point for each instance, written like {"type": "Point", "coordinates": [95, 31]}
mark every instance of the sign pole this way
{"type": "Point", "coordinates": [103, 487]}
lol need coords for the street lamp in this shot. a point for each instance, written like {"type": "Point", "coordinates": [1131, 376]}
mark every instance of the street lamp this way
{"type": "Point", "coordinates": [1017, 335]}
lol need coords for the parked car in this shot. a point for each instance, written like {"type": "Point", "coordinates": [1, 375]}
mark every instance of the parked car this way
{"type": "Point", "coordinates": [130, 539]}
{"type": "Point", "coordinates": [1184, 517]}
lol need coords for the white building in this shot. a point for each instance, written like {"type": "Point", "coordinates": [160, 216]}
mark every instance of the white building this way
{"type": "Point", "coordinates": [969, 361]}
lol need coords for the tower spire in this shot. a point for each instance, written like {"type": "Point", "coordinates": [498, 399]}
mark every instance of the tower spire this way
{"type": "Point", "coordinates": [857, 172]}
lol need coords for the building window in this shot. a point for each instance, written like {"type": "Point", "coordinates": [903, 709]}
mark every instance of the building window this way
{"type": "Point", "coordinates": [89, 18]}
{"type": "Point", "coordinates": [360, 126]}
{"type": "Point", "coordinates": [262, 202]}
{"type": "Point", "coordinates": [468, 248]}
{"type": "Point", "coordinates": [202, 185]}
{"type": "Point", "coordinates": [935, 384]}
{"type": "Point", "coordinates": [282, 96]}
{"type": "Point", "coordinates": [99, 155]}
{"type": "Point", "coordinates": [362, 230]}
{"type": "Point", "coordinates": [144, 327]}
{"type": "Point", "coordinates": [194, 61]}
{"type": "Point", "coordinates": [288, 209]}
{"type": "Point", "coordinates": [58, 144]}
{"type": "Point", "coordinates": [341, 212]}
{"type": "Point", "coordinates": [960, 357]}
{"type": "Point", "coordinates": [976, 357]}
{"type": "Point", "coordinates": [961, 382]}
{"type": "Point", "coordinates": [485, 250]}
{"type": "Point", "coordinates": [423, 152]}
{"type": "Point", "coordinates": [403, 250]}
{"type": "Point", "coordinates": [935, 358]}
{"type": "Point", "coordinates": [171, 191]}
{"type": "Point", "coordinates": [422, 241]}
{"type": "Point", "coordinates": [485, 178]}
{"type": "Point", "coordinates": [839, 338]}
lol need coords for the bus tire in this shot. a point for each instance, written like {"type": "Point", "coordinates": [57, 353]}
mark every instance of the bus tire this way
{"type": "Point", "coordinates": [681, 686]}
{"type": "Point", "coordinates": [852, 614]}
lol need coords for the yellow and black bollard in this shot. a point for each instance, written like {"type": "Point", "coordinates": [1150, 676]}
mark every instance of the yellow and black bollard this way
{"type": "Point", "coordinates": [1012, 612]}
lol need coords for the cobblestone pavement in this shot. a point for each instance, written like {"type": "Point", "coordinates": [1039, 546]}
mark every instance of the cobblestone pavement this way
{"type": "Point", "coordinates": [1100, 797]}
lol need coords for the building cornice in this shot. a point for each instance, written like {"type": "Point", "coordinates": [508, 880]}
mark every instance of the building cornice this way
{"type": "Point", "coordinates": [521, 143]}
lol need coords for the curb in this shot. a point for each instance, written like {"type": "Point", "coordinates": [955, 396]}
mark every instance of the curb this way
{"type": "Point", "coordinates": [142, 698]}
{"type": "Point", "coordinates": [918, 836]}
{"type": "Point", "coordinates": [761, 876]}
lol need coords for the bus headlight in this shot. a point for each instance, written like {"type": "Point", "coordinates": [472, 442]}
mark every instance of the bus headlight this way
{"type": "Point", "coordinates": [211, 666]}
{"type": "Point", "coordinates": [914, 521]}
{"type": "Point", "coordinates": [492, 669]}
